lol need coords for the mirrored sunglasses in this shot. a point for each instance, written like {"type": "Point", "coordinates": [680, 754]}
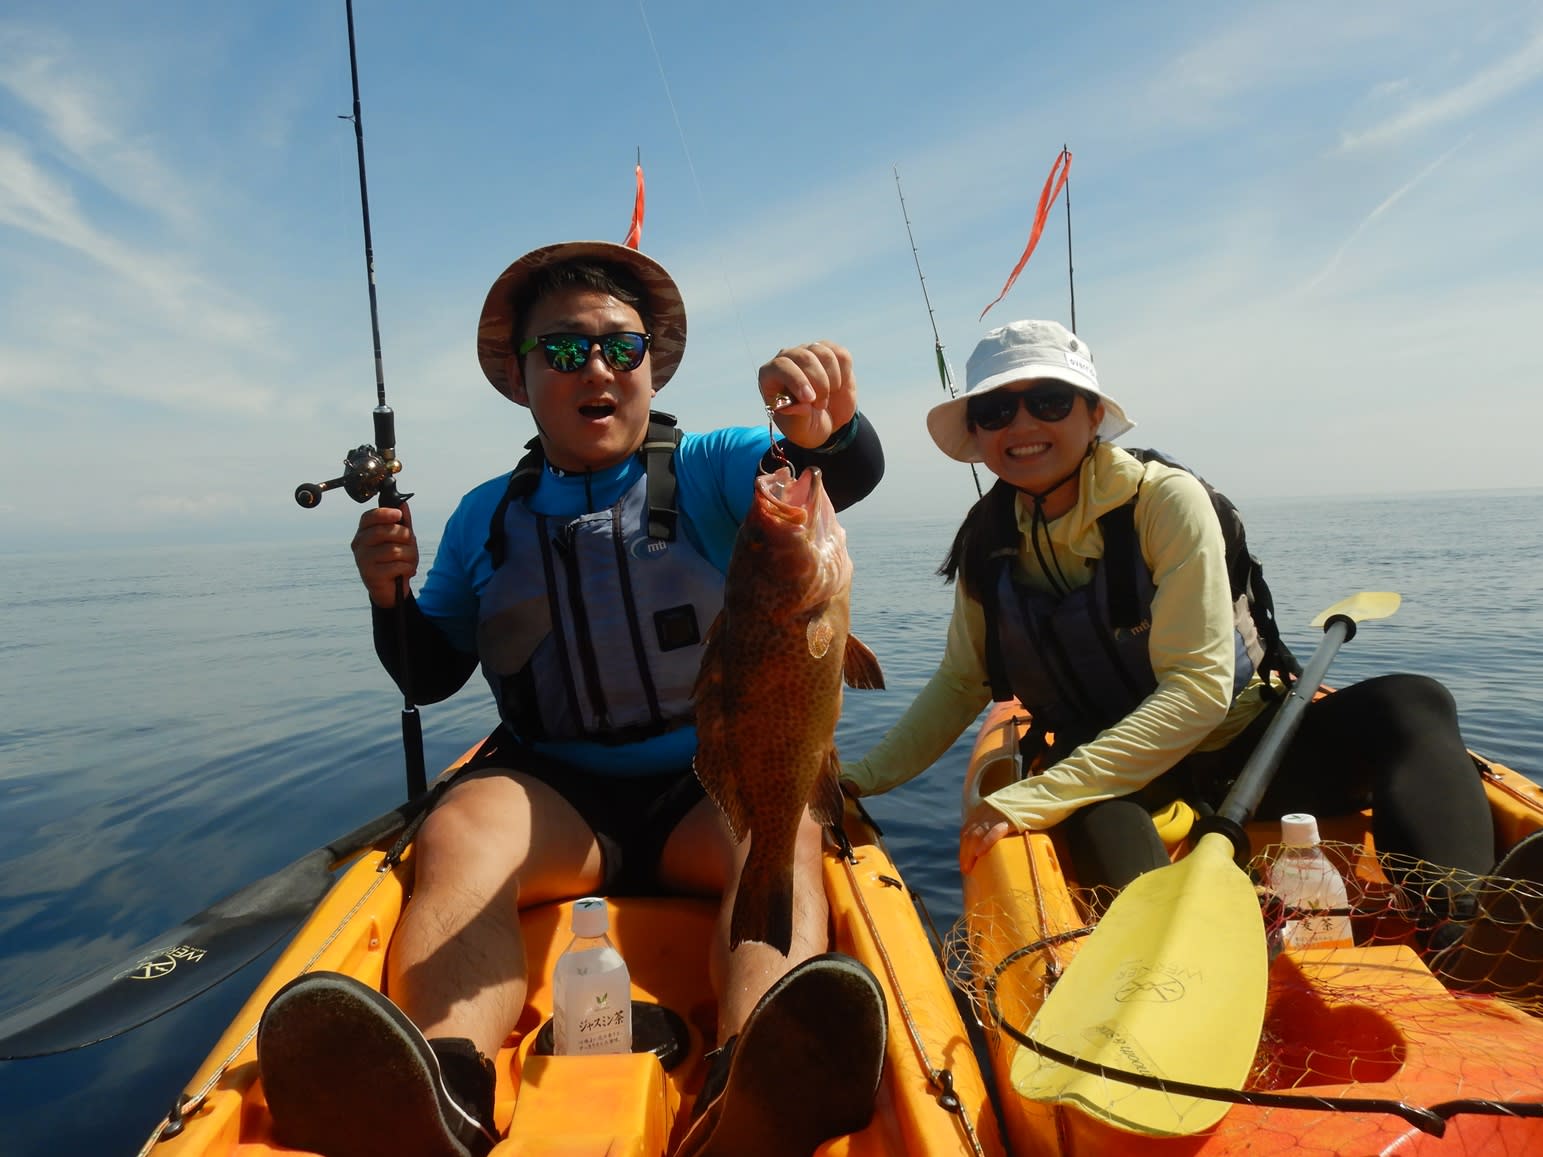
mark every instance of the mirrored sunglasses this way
{"type": "Point", "coordinates": [568, 353]}
{"type": "Point", "coordinates": [995, 409]}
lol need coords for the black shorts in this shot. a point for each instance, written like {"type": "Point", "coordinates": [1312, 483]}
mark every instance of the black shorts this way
{"type": "Point", "coordinates": [632, 816]}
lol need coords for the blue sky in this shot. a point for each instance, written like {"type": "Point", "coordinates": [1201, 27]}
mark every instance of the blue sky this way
{"type": "Point", "coordinates": [1308, 251]}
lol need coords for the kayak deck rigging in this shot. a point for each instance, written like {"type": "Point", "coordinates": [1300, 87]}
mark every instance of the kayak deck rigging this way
{"type": "Point", "coordinates": [1364, 1049]}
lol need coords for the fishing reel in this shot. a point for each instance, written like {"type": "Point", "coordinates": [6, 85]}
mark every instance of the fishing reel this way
{"type": "Point", "coordinates": [366, 470]}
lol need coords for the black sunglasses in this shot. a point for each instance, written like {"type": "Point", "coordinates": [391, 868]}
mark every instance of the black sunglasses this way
{"type": "Point", "coordinates": [995, 409]}
{"type": "Point", "coordinates": [568, 353]}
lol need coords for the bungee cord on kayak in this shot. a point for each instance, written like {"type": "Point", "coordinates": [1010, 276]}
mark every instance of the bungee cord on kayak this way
{"type": "Point", "coordinates": [1410, 1032]}
{"type": "Point", "coordinates": [1284, 1073]}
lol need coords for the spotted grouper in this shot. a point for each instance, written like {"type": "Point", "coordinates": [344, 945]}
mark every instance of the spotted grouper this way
{"type": "Point", "coordinates": [769, 691]}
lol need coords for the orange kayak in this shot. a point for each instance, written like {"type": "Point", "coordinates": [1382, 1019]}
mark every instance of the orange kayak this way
{"type": "Point", "coordinates": [1398, 1062]}
{"type": "Point", "coordinates": [933, 1099]}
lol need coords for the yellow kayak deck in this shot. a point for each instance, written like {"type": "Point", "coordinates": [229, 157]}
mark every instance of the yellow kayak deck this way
{"type": "Point", "coordinates": [933, 1099]}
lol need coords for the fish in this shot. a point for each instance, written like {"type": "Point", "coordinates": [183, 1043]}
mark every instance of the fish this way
{"type": "Point", "coordinates": [768, 692]}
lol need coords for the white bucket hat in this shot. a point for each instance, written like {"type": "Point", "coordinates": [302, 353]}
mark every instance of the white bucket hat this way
{"type": "Point", "coordinates": [1021, 351]}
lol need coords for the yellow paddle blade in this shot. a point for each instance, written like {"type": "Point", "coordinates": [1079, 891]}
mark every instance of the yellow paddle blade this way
{"type": "Point", "coordinates": [1362, 607]}
{"type": "Point", "coordinates": [1171, 984]}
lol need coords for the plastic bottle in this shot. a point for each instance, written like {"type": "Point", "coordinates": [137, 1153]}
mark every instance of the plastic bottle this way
{"type": "Point", "coordinates": [591, 990]}
{"type": "Point", "coordinates": [1304, 878]}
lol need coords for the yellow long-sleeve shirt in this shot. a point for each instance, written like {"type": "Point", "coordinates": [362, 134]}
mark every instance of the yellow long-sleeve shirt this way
{"type": "Point", "coordinates": [1190, 644]}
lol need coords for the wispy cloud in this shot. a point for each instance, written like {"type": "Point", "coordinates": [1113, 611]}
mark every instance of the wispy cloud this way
{"type": "Point", "coordinates": [1499, 80]}
{"type": "Point", "coordinates": [81, 118]}
{"type": "Point", "coordinates": [74, 178]}
{"type": "Point", "coordinates": [1387, 203]}
{"type": "Point", "coordinates": [39, 203]}
{"type": "Point", "coordinates": [1214, 76]}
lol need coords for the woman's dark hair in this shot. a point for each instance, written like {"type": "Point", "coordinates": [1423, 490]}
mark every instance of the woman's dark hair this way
{"type": "Point", "coordinates": [991, 525]}
{"type": "Point", "coordinates": [603, 277]}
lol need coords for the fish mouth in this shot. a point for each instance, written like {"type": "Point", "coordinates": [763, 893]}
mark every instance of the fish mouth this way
{"type": "Point", "coordinates": [798, 513]}
{"type": "Point", "coordinates": [793, 500]}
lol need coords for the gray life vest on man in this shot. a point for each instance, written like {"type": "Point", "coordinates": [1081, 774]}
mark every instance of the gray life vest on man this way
{"type": "Point", "coordinates": [1080, 661]}
{"type": "Point", "coordinates": [591, 627]}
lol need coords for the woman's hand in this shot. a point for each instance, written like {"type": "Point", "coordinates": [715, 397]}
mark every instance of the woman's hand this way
{"type": "Point", "coordinates": [810, 391]}
{"type": "Point", "coordinates": [983, 827]}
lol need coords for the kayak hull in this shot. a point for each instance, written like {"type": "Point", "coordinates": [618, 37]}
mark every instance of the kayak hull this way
{"type": "Point", "coordinates": [933, 1098]}
{"type": "Point", "coordinates": [1362, 1022]}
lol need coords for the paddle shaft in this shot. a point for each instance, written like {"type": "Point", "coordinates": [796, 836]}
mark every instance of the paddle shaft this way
{"type": "Point", "coordinates": [1260, 769]}
{"type": "Point", "coordinates": [1254, 780]}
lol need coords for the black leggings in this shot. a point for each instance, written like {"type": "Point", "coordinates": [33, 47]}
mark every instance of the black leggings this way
{"type": "Point", "coordinates": [1392, 742]}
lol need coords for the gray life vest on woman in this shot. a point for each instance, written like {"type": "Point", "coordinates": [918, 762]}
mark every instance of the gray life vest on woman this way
{"type": "Point", "coordinates": [591, 627]}
{"type": "Point", "coordinates": [1079, 661]}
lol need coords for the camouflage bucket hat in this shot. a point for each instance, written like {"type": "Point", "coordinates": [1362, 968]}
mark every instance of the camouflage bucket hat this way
{"type": "Point", "coordinates": [666, 311]}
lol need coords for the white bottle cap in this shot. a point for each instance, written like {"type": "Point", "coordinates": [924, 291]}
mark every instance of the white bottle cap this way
{"type": "Point", "coordinates": [590, 917]}
{"type": "Point", "coordinates": [1298, 830]}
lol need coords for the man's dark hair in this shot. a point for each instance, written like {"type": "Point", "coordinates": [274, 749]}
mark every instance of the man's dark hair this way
{"type": "Point", "coordinates": [603, 277]}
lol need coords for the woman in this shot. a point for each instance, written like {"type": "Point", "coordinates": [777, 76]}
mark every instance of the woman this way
{"type": "Point", "coordinates": [1161, 709]}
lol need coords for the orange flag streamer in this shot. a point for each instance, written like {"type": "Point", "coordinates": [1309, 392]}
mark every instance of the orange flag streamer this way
{"type": "Point", "coordinates": [635, 233]}
{"type": "Point", "coordinates": [1054, 183]}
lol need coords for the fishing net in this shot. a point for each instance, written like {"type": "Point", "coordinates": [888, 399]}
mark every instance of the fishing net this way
{"type": "Point", "coordinates": [1433, 1017]}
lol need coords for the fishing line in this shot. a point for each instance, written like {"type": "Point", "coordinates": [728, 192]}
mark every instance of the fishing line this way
{"type": "Point", "coordinates": [685, 148]}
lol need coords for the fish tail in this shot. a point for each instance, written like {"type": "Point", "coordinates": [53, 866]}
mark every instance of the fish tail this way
{"type": "Point", "coordinates": [763, 905]}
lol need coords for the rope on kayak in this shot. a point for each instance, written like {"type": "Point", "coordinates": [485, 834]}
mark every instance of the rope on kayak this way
{"type": "Point", "coordinates": [189, 1102]}
{"type": "Point", "coordinates": [941, 1079]}
{"type": "Point", "coordinates": [1433, 944]}
{"type": "Point", "coordinates": [1054, 965]}
{"type": "Point", "coordinates": [1432, 1119]}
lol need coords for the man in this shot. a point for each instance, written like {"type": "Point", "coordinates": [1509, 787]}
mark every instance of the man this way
{"type": "Point", "coordinates": [583, 584]}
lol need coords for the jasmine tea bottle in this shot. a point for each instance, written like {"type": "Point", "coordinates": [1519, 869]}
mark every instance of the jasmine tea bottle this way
{"type": "Point", "coordinates": [591, 990]}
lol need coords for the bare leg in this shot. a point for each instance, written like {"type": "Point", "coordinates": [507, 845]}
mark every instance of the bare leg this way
{"type": "Point", "coordinates": [702, 857]}
{"type": "Point", "coordinates": [457, 961]}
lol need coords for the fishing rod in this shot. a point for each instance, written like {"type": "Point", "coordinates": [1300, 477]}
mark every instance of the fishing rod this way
{"type": "Point", "coordinates": [371, 470]}
{"type": "Point", "coordinates": [944, 373]}
{"type": "Point", "coordinates": [1071, 283]}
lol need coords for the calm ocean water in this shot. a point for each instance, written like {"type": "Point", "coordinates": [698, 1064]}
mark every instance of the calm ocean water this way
{"type": "Point", "coordinates": [179, 721]}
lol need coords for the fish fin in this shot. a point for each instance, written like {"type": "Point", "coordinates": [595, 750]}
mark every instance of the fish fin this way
{"type": "Point", "coordinates": [821, 634]}
{"type": "Point", "coordinates": [763, 903]}
{"type": "Point", "coordinates": [730, 802]}
{"type": "Point", "coordinates": [708, 696]}
{"type": "Point", "coordinates": [828, 805]}
{"type": "Point", "coordinates": [709, 673]}
{"type": "Point", "coordinates": [860, 666]}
